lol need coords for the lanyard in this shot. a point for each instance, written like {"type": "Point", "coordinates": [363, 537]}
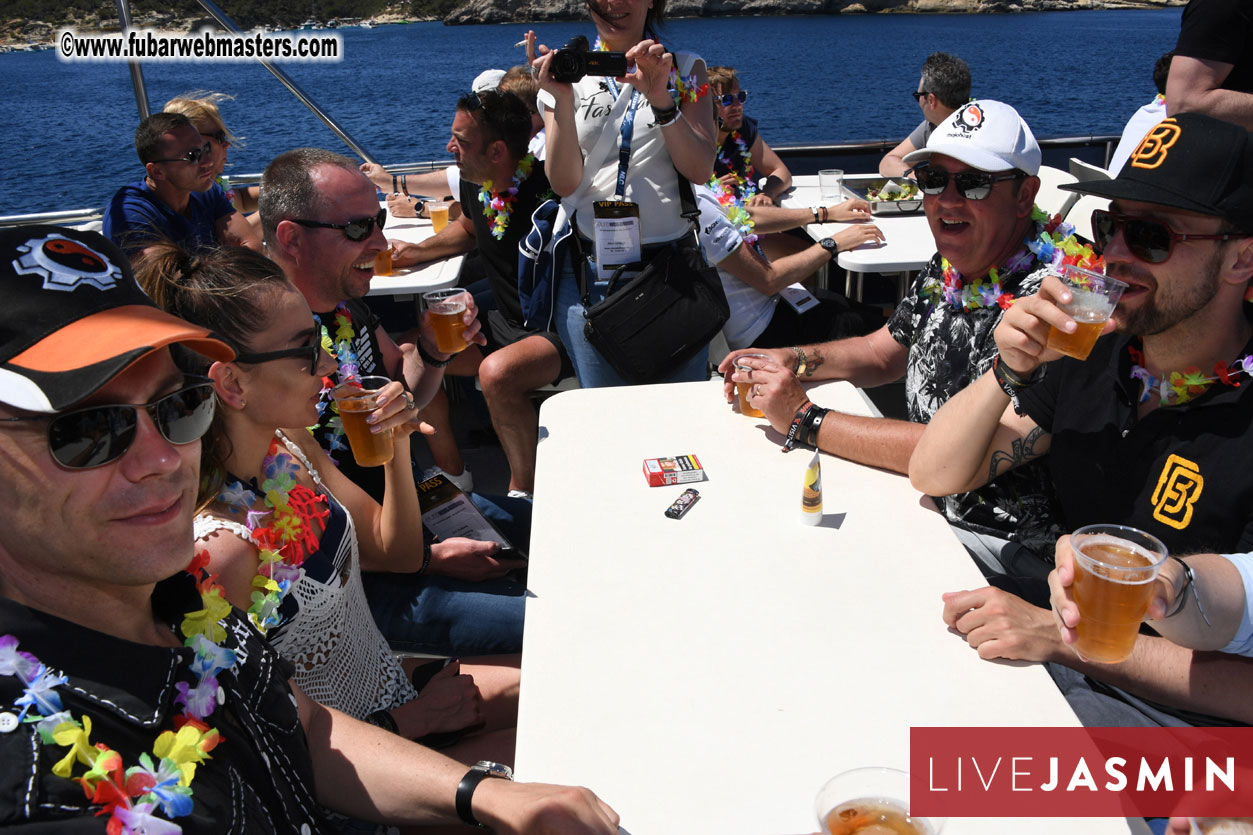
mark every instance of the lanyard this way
{"type": "Point", "coordinates": [628, 127]}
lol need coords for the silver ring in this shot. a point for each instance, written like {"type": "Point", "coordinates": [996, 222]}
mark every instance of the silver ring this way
{"type": "Point", "coordinates": [756, 391]}
{"type": "Point", "coordinates": [409, 404]}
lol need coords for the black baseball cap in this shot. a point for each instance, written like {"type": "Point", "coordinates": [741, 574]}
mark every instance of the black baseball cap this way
{"type": "Point", "coordinates": [1190, 161]}
{"type": "Point", "coordinates": [73, 318]}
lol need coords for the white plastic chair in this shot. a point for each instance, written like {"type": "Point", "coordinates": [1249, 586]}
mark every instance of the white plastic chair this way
{"type": "Point", "coordinates": [1051, 198]}
{"type": "Point", "coordinates": [1086, 172]}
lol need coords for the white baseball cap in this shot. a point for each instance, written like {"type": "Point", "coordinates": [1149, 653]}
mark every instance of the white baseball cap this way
{"type": "Point", "coordinates": [988, 135]}
{"type": "Point", "coordinates": [487, 80]}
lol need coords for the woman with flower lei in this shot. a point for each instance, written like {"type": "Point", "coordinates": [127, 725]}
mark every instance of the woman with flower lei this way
{"type": "Point", "coordinates": [664, 98]}
{"type": "Point", "coordinates": [282, 526]}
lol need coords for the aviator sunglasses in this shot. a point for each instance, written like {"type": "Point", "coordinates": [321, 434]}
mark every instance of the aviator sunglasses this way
{"type": "Point", "coordinates": [1149, 240]}
{"type": "Point", "coordinates": [355, 230]}
{"type": "Point", "coordinates": [98, 435]}
{"type": "Point", "coordinates": [728, 99]}
{"type": "Point", "coordinates": [972, 185]}
{"type": "Point", "coordinates": [193, 156]}
{"type": "Point", "coordinates": [312, 353]}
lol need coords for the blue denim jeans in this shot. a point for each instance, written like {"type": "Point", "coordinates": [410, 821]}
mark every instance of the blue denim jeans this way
{"type": "Point", "coordinates": [444, 616]}
{"type": "Point", "coordinates": [589, 366]}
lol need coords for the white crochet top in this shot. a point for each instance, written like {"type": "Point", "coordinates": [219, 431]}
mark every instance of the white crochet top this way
{"type": "Point", "coordinates": [341, 658]}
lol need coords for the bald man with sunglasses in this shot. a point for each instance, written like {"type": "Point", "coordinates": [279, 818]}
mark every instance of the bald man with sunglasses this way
{"type": "Point", "coordinates": [1151, 431]}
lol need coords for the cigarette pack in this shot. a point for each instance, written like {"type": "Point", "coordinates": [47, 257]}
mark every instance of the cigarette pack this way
{"type": "Point", "coordinates": [678, 470]}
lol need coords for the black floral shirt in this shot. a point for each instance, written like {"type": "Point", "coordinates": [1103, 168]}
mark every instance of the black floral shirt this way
{"type": "Point", "coordinates": [948, 350]}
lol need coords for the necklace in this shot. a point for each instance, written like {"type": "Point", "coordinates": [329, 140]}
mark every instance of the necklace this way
{"type": "Point", "coordinates": [284, 543]}
{"type": "Point", "coordinates": [1177, 387]}
{"type": "Point", "coordinates": [1051, 242]}
{"type": "Point", "coordinates": [132, 797]}
{"type": "Point", "coordinates": [499, 206]}
{"type": "Point", "coordinates": [341, 346]}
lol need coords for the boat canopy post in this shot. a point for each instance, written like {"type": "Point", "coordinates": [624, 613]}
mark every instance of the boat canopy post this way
{"type": "Point", "coordinates": [227, 23]}
{"type": "Point", "coordinates": [137, 72]}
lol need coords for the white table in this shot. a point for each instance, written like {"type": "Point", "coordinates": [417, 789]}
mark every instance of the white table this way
{"type": "Point", "coordinates": [708, 675]}
{"type": "Point", "coordinates": [908, 243]}
{"type": "Point", "coordinates": [412, 282]}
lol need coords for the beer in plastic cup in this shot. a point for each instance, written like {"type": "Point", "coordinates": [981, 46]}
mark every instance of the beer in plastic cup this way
{"type": "Point", "coordinates": [1115, 567]}
{"type": "Point", "coordinates": [743, 388]}
{"type": "Point", "coordinates": [438, 210]}
{"type": "Point", "coordinates": [870, 800]}
{"type": "Point", "coordinates": [447, 307]}
{"type": "Point", "coordinates": [356, 399]}
{"type": "Point", "coordinates": [831, 184]}
{"type": "Point", "coordinates": [1093, 298]}
{"type": "Point", "coordinates": [383, 262]}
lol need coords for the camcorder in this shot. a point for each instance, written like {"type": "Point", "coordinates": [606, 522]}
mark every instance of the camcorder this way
{"type": "Point", "coordinates": [575, 60]}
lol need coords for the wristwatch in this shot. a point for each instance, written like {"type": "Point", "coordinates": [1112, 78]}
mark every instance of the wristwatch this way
{"type": "Point", "coordinates": [465, 790]}
{"type": "Point", "coordinates": [832, 248]}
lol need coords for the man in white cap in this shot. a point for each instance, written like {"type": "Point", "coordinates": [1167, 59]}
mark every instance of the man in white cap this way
{"type": "Point", "coordinates": [978, 176]}
{"type": "Point", "coordinates": [119, 659]}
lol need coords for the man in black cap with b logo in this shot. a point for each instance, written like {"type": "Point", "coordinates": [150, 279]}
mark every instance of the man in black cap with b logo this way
{"type": "Point", "coordinates": [1152, 430]}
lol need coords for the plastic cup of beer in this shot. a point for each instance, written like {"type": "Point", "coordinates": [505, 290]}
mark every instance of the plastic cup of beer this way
{"type": "Point", "coordinates": [356, 399]}
{"type": "Point", "coordinates": [1221, 826]}
{"type": "Point", "coordinates": [1093, 298]}
{"type": "Point", "coordinates": [742, 389]}
{"type": "Point", "coordinates": [1115, 567]}
{"type": "Point", "coordinates": [447, 309]}
{"type": "Point", "coordinates": [831, 184]}
{"type": "Point", "coordinates": [383, 261]}
{"type": "Point", "coordinates": [874, 801]}
{"type": "Point", "coordinates": [438, 210]}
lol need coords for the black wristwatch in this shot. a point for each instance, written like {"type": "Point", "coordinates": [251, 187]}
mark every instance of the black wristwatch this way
{"type": "Point", "coordinates": [832, 248]}
{"type": "Point", "coordinates": [465, 790]}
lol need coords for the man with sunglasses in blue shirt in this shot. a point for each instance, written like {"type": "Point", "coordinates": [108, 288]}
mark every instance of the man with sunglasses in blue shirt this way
{"type": "Point", "coordinates": [177, 199]}
{"type": "Point", "coordinates": [1151, 431]}
{"type": "Point", "coordinates": [119, 662]}
{"type": "Point", "coordinates": [978, 179]}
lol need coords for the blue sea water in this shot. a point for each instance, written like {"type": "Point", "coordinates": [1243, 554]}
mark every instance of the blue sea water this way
{"type": "Point", "coordinates": [66, 129]}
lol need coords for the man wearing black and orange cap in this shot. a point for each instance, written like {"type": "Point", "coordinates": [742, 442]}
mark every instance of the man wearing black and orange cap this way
{"type": "Point", "coordinates": [116, 661]}
{"type": "Point", "coordinates": [1152, 430]}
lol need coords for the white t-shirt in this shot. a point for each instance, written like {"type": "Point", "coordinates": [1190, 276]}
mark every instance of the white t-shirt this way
{"type": "Point", "coordinates": [651, 179]}
{"type": "Point", "coordinates": [751, 309]}
{"type": "Point", "coordinates": [1242, 643]}
{"type": "Point", "coordinates": [1141, 122]}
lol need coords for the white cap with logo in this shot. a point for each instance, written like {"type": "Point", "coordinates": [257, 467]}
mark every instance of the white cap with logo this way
{"type": "Point", "coordinates": [988, 135]}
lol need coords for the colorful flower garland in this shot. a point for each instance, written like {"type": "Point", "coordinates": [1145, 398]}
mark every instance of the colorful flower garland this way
{"type": "Point", "coordinates": [282, 545]}
{"type": "Point", "coordinates": [1177, 387]}
{"type": "Point", "coordinates": [499, 207]}
{"type": "Point", "coordinates": [734, 198]}
{"type": "Point", "coordinates": [341, 346]}
{"type": "Point", "coordinates": [1051, 242]}
{"type": "Point", "coordinates": [132, 797]}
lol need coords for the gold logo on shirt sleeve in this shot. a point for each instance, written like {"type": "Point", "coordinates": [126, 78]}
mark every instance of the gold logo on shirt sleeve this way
{"type": "Point", "coordinates": [1178, 488]}
{"type": "Point", "coordinates": [1153, 147]}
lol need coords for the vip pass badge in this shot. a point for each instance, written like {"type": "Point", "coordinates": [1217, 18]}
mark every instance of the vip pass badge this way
{"type": "Point", "coordinates": [617, 235]}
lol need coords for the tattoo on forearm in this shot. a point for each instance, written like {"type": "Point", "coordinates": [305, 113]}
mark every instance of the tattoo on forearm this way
{"type": "Point", "coordinates": [813, 360]}
{"type": "Point", "coordinates": [1020, 451]}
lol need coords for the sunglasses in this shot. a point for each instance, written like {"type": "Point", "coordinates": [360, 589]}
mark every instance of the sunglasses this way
{"type": "Point", "coordinates": [919, 95]}
{"type": "Point", "coordinates": [217, 136]}
{"type": "Point", "coordinates": [193, 156]}
{"type": "Point", "coordinates": [728, 99]}
{"type": "Point", "coordinates": [972, 185]}
{"type": "Point", "coordinates": [98, 435]}
{"type": "Point", "coordinates": [355, 230]}
{"type": "Point", "coordinates": [1149, 240]}
{"type": "Point", "coordinates": [312, 353]}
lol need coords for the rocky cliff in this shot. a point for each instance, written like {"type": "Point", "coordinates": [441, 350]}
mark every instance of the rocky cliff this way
{"type": "Point", "coordinates": [507, 11]}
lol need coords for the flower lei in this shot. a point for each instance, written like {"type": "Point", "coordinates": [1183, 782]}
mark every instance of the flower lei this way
{"type": "Point", "coordinates": [1051, 242]}
{"type": "Point", "coordinates": [682, 88]}
{"type": "Point", "coordinates": [283, 544]}
{"type": "Point", "coordinates": [1177, 387]}
{"type": "Point", "coordinates": [499, 207]}
{"type": "Point", "coordinates": [734, 198]}
{"type": "Point", "coordinates": [341, 346]}
{"type": "Point", "coordinates": [133, 797]}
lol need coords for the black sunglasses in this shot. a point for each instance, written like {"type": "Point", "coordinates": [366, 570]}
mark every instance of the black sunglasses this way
{"type": "Point", "coordinates": [972, 185]}
{"type": "Point", "coordinates": [312, 353]}
{"type": "Point", "coordinates": [1149, 240]}
{"type": "Point", "coordinates": [356, 230]}
{"type": "Point", "coordinates": [98, 435]}
{"type": "Point", "coordinates": [193, 156]}
{"type": "Point", "coordinates": [920, 94]}
{"type": "Point", "coordinates": [728, 99]}
{"type": "Point", "coordinates": [217, 136]}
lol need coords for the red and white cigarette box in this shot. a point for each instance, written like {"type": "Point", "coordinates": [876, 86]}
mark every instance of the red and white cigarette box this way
{"type": "Point", "coordinates": [681, 469]}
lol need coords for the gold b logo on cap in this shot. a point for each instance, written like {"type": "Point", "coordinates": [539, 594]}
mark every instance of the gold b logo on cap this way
{"type": "Point", "coordinates": [1152, 150]}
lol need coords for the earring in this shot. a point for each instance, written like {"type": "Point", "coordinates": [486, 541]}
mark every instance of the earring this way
{"type": "Point", "coordinates": [242, 403]}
